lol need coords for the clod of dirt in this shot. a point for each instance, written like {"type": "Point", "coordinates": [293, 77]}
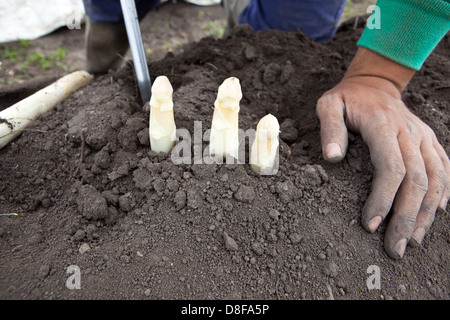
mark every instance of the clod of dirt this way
{"type": "Point", "coordinates": [271, 73]}
{"type": "Point", "coordinates": [245, 194]}
{"type": "Point", "coordinates": [91, 203]}
{"type": "Point", "coordinates": [180, 199]}
{"type": "Point", "coordinates": [288, 131]}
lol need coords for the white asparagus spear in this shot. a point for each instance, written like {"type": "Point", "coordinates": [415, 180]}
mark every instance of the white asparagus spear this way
{"type": "Point", "coordinates": [162, 127]}
{"type": "Point", "coordinates": [15, 119]}
{"type": "Point", "coordinates": [224, 139]}
{"type": "Point", "coordinates": [265, 146]}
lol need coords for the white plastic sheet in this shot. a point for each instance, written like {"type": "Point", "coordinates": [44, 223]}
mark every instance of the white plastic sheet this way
{"type": "Point", "coordinates": [31, 19]}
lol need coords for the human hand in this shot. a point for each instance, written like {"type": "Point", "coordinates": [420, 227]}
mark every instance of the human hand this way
{"type": "Point", "coordinates": [412, 170]}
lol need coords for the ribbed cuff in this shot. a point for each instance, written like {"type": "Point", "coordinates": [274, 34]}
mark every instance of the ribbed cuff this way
{"type": "Point", "coordinates": [409, 30]}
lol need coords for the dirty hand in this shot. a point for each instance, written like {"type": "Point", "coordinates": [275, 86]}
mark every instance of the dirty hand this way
{"type": "Point", "coordinates": [412, 170]}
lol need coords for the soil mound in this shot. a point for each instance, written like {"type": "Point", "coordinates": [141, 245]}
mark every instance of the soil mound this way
{"type": "Point", "coordinates": [89, 192]}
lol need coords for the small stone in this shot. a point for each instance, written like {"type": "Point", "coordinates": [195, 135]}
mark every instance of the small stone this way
{"type": "Point", "coordinates": [230, 243]}
{"type": "Point", "coordinates": [79, 235]}
{"type": "Point", "coordinates": [295, 238]}
{"type": "Point", "coordinates": [124, 169]}
{"type": "Point", "coordinates": [257, 248]}
{"type": "Point", "coordinates": [274, 214]}
{"type": "Point", "coordinates": [84, 248]}
{"type": "Point", "coordinates": [44, 271]}
{"type": "Point", "coordinates": [186, 175]}
{"type": "Point", "coordinates": [402, 288]}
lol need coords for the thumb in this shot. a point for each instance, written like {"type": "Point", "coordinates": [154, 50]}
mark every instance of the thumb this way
{"type": "Point", "coordinates": [330, 110]}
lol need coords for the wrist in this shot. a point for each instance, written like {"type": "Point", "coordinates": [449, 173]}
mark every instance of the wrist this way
{"type": "Point", "coordinates": [373, 68]}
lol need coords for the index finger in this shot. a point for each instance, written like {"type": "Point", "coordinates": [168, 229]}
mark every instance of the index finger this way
{"type": "Point", "coordinates": [333, 131]}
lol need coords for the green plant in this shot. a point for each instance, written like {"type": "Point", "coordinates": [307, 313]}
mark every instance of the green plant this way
{"type": "Point", "coordinates": [10, 55]}
{"type": "Point", "coordinates": [47, 61]}
{"type": "Point", "coordinates": [40, 60]}
{"type": "Point", "coordinates": [24, 44]}
{"type": "Point", "coordinates": [15, 52]}
{"type": "Point", "coordinates": [214, 28]}
{"type": "Point", "coordinates": [167, 46]}
{"type": "Point", "coordinates": [18, 53]}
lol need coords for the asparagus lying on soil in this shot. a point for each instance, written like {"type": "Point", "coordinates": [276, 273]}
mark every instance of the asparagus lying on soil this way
{"type": "Point", "coordinates": [15, 119]}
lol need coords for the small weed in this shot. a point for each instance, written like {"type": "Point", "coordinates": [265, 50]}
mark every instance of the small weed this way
{"type": "Point", "coordinates": [48, 61]}
{"type": "Point", "coordinates": [24, 44]}
{"type": "Point", "coordinates": [10, 55]}
{"type": "Point", "coordinates": [40, 60]}
{"type": "Point", "coordinates": [214, 28]}
{"type": "Point", "coordinates": [16, 52]}
{"type": "Point", "coordinates": [167, 46]}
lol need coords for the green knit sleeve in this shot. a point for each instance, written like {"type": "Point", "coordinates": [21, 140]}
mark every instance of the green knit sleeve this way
{"type": "Point", "coordinates": [406, 31]}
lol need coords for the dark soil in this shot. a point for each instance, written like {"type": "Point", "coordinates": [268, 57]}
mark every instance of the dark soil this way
{"type": "Point", "coordinates": [89, 192]}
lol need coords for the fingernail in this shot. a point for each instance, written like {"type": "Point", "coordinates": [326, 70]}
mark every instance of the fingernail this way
{"type": "Point", "coordinates": [417, 236]}
{"type": "Point", "coordinates": [374, 223]}
{"type": "Point", "coordinates": [399, 247]}
{"type": "Point", "coordinates": [332, 151]}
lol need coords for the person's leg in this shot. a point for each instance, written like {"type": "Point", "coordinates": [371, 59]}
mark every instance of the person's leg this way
{"type": "Point", "coordinates": [318, 19]}
{"type": "Point", "coordinates": [233, 9]}
{"type": "Point", "coordinates": [106, 40]}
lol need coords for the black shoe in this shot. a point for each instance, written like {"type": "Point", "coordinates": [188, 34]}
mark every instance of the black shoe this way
{"type": "Point", "coordinates": [106, 46]}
